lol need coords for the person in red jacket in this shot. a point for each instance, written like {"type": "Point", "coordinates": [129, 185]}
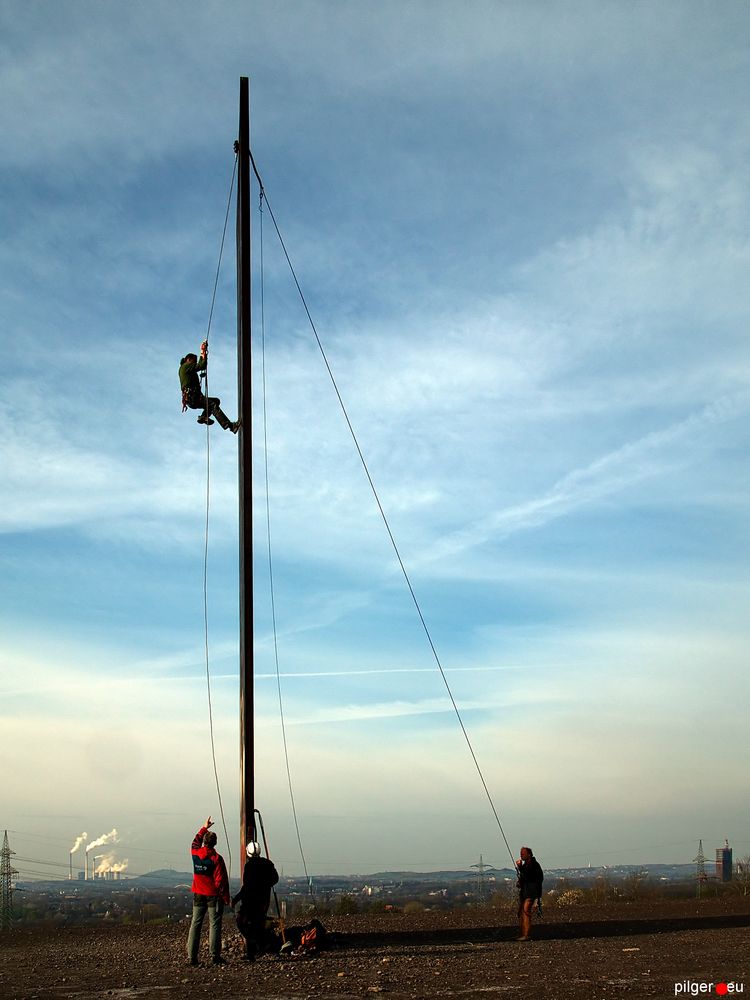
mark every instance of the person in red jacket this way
{"type": "Point", "coordinates": [210, 894]}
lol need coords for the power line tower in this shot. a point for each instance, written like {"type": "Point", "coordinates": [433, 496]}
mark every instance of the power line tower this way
{"type": "Point", "coordinates": [481, 869]}
{"type": "Point", "coordinates": [6, 885]}
{"type": "Point", "coordinates": [700, 871]}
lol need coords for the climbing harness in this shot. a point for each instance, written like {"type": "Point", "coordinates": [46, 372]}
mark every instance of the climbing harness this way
{"type": "Point", "coordinates": [189, 395]}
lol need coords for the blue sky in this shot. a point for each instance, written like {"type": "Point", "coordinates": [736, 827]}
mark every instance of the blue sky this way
{"type": "Point", "coordinates": [522, 230]}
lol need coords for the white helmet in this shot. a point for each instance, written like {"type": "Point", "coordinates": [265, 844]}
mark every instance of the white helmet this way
{"type": "Point", "coordinates": [253, 849]}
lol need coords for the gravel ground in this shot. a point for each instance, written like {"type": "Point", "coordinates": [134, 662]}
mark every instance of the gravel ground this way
{"type": "Point", "coordinates": [623, 950]}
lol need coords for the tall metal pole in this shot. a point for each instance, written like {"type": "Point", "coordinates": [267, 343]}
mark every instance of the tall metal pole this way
{"type": "Point", "coordinates": [245, 399]}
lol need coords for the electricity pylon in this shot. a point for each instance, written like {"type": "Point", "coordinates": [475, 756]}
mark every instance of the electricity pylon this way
{"type": "Point", "coordinates": [481, 869]}
{"type": "Point", "coordinates": [6, 885]}
{"type": "Point", "coordinates": [700, 872]}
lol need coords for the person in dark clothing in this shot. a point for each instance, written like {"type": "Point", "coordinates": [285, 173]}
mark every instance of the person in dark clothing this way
{"type": "Point", "coordinates": [530, 878]}
{"type": "Point", "coordinates": [192, 393]}
{"type": "Point", "coordinates": [258, 878]}
{"type": "Point", "coordinates": [210, 894]}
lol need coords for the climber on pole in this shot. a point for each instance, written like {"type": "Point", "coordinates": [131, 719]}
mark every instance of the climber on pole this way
{"type": "Point", "coordinates": [193, 398]}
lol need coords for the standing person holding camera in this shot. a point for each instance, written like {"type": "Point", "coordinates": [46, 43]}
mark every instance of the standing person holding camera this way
{"type": "Point", "coordinates": [530, 878]}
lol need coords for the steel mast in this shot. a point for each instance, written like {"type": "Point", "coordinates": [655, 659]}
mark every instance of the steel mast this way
{"type": "Point", "coordinates": [245, 399]}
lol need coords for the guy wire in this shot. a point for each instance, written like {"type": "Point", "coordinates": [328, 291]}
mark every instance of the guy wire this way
{"type": "Point", "coordinates": [383, 516]}
{"type": "Point", "coordinates": [270, 558]}
{"type": "Point", "coordinates": [205, 547]}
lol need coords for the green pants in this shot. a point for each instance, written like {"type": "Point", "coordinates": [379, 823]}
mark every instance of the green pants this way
{"type": "Point", "coordinates": [215, 908]}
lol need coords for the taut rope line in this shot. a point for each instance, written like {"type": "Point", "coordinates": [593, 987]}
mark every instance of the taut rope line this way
{"type": "Point", "coordinates": [205, 547]}
{"type": "Point", "coordinates": [383, 514]}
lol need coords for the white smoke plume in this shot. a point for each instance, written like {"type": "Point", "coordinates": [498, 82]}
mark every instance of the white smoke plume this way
{"type": "Point", "coordinates": [106, 838]}
{"type": "Point", "coordinates": [108, 864]}
{"type": "Point", "coordinates": [78, 843]}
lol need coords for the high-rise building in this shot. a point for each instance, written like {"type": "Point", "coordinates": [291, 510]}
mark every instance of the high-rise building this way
{"type": "Point", "coordinates": [724, 863]}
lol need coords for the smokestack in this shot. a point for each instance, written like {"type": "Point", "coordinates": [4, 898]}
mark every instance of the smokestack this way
{"type": "Point", "coordinates": [79, 843]}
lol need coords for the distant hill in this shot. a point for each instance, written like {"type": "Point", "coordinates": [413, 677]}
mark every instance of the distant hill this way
{"type": "Point", "coordinates": [162, 877]}
{"type": "Point", "coordinates": [170, 878]}
{"type": "Point", "coordinates": [440, 876]}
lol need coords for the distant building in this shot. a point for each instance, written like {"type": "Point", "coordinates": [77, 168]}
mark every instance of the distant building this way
{"type": "Point", "coordinates": [724, 863]}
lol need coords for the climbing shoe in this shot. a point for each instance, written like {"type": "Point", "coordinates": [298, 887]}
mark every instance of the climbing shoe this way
{"type": "Point", "coordinates": [234, 426]}
{"type": "Point", "coordinates": [204, 420]}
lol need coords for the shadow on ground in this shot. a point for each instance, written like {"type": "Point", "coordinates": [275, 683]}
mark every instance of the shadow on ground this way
{"type": "Point", "coordinates": [544, 931]}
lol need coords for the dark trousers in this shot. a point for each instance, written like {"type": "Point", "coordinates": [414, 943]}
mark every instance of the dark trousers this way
{"type": "Point", "coordinates": [211, 408]}
{"type": "Point", "coordinates": [252, 926]}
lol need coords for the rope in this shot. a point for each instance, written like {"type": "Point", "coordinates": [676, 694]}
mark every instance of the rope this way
{"type": "Point", "coordinates": [383, 514]}
{"type": "Point", "coordinates": [205, 547]}
{"type": "Point", "coordinates": [270, 559]}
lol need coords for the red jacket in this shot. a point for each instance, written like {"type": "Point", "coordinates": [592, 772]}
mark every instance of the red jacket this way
{"type": "Point", "coordinates": [209, 871]}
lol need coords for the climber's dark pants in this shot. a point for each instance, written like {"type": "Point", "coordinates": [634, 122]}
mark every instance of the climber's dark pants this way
{"type": "Point", "coordinates": [210, 407]}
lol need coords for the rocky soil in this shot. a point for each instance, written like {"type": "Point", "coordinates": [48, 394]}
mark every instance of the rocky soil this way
{"type": "Point", "coordinates": [623, 950]}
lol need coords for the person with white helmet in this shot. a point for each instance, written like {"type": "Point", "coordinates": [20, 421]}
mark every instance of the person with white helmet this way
{"type": "Point", "coordinates": [258, 878]}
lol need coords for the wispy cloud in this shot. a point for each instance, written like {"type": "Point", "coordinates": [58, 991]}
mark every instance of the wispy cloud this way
{"type": "Point", "coordinates": [429, 706]}
{"type": "Point", "coordinates": [655, 454]}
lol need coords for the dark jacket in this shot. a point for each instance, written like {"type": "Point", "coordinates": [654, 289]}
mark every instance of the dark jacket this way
{"type": "Point", "coordinates": [209, 871]}
{"type": "Point", "coordinates": [189, 378]}
{"type": "Point", "coordinates": [530, 878]}
{"type": "Point", "coordinates": [258, 878]}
